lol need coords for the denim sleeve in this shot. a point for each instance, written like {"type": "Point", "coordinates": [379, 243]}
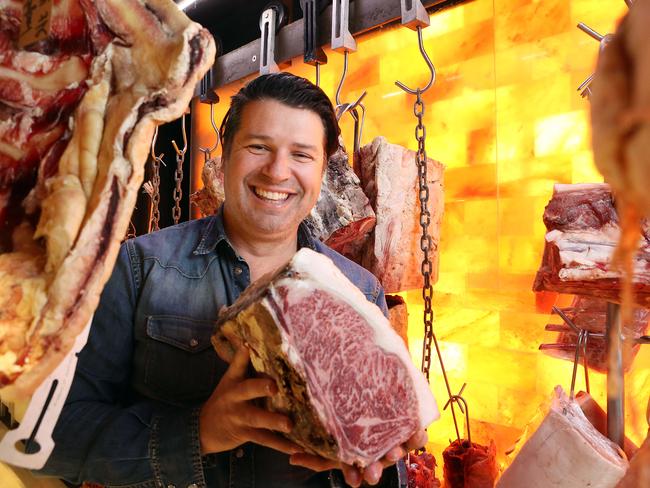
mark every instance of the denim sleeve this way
{"type": "Point", "coordinates": [380, 301]}
{"type": "Point", "coordinates": [99, 436]}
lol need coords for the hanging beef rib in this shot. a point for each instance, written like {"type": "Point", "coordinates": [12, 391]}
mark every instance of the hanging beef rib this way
{"type": "Point", "coordinates": [582, 232]}
{"type": "Point", "coordinates": [344, 376]}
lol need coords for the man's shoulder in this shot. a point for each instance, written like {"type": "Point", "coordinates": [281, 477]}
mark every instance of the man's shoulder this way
{"type": "Point", "coordinates": [360, 276]}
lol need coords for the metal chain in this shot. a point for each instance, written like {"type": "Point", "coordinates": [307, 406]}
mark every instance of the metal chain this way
{"type": "Point", "coordinates": [178, 193]}
{"type": "Point", "coordinates": [427, 246]}
{"type": "Point", "coordinates": [155, 194]}
{"type": "Point", "coordinates": [426, 243]}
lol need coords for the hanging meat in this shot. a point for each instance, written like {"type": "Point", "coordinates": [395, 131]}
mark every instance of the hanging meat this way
{"type": "Point", "coordinates": [564, 451]}
{"type": "Point", "coordinates": [342, 216]}
{"type": "Point", "coordinates": [421, 471]}
{"type": "Point", "coordinates": [638, 476]}
{"type": "Point", "coordinates": [344, 376]}
{"type": "Point", "coordinates": [621, 131]}
{"type": "Point", "coordinates": [389, 176]}
{"type": "Point", "coordinates": [590, 314]}
{"type": "Point", "coordinates": [470, 465]}
{"type": "Point", "coordinates": [582, 232]}
{"type": "Point", "coordinates": [398, 316]}
{"type": "Point", "coordinates": [209, 198]}
{"type": "Point", "coordinates": [79, 101]}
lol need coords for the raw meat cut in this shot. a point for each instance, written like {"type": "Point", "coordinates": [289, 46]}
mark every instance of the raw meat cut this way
{"type": "Point", "coordinates": [211, 196]}
{"type": "Point", "coordinates": [582, 232]}
{"type": "Point", "coordinates": [598, 418]}
{"type": "Point", "coordinates": [590, 314]}
{"type": "Point", "coordinates": [389, 176]}
{"type": "Point", "coordinates": [470, 466]}
{"type": "Point", "coordinates": [344, 376]}
{"type": "Point", "coordinates": [421, 471]}
{"type": "Point", "coordinates": [342, 216]}
{"type": "Point", "coordinates": [564, 451]}
{"type": "Point", "coordinates": [79, 108]}
{"type": "Point", "coordinates": [638, 476]}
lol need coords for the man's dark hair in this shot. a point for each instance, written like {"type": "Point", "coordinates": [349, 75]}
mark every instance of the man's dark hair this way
{"type": "Point", "coordinates": [291, 90]}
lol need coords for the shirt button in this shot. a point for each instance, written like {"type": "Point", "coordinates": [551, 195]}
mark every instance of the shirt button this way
{"type": "Point", "coordinates": [239, 453]}
{"type": "Point", "coordinates": [171, 486]}
{"type": "Point", "coordinates": [238, 270]}
{"type": "Point", "coordinates": [193, 343]}
{"type": "Point", "coordinates": [193, 485]}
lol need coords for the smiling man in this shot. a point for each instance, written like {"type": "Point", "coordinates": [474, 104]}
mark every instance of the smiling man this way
{"type": "Point", "coordinates": [151, 404]}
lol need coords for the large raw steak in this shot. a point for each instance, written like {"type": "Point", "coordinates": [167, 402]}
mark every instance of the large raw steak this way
{"type": "Point", "coordinates": [78, 108]}
{"type": "Point", "coordinates": [344, 376]}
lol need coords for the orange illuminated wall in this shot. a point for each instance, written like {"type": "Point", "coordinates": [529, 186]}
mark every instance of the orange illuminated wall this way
{"type": "Point", "coordinates": [505, 118]}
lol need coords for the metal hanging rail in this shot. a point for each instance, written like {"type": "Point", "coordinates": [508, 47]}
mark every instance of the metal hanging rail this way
{"type": "Point", "coordinates": [365, 15]}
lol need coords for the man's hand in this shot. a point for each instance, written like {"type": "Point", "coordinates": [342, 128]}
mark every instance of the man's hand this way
{"type": "Point", "coordinates": [353, 475]}
{"type": "Point", "coordinates": [229, 418]}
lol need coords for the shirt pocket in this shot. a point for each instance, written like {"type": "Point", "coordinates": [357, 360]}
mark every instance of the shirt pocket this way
{"type": "Point", "coordinates": [181, 366]}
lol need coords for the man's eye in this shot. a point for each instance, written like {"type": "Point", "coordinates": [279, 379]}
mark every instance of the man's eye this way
{"type": "Point", "coordinates": [303, 156]}
{"type": "Point", "coordinates": [257, 148]}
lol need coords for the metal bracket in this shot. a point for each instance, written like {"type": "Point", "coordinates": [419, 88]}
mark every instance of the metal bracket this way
{"type": "Point", "coordinates": [268, 23]}
{"type": "Point", "coordinates": [414, 14]}
{"type": "Point", "coordinates": [206, 93]}
{"type": "Point", "coordinates": [342, 40]}
{"type": "Point", "coordinates": [314, 54]}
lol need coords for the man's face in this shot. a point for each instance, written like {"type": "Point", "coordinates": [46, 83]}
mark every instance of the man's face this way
{"type": "Point", "coordinates": [272, 174]}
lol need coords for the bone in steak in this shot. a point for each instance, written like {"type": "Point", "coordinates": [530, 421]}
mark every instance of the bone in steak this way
{"type": "Point", "coordinates": [470, 466]}
{"type": "Point", "coordinates": [78, 111]}
{"type": "Point", "coordinates": [389, 176]}
{"type": "Point", "coordinates": [344, 376]}
{"type": "Point", "coordinates": [582, 232]}
{"type": "Point", "coordinates": [565, 451]}
{"type": "Point", "coordinates": [590, 314]}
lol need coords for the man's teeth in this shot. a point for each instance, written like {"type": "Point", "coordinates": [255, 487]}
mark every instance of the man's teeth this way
{"type": "Point", "coordinates": [271, 195]}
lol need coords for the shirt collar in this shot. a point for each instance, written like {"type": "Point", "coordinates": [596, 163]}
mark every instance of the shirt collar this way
{"type": "Point", "coordinates": [214, 232]}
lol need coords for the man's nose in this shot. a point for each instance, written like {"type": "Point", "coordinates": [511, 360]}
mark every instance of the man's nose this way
{"type": "Point", "coordinates": [278, 168]}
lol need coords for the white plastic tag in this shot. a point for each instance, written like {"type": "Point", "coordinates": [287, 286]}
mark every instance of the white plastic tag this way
{"type": "Point", "coordinates": [42, 413]}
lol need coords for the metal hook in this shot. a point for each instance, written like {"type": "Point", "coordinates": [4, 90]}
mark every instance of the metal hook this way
{"type": "Point", "coordinates": [345, 72]}
{"type": "Point", "coordinates": [180, 153]}
{"type": "Point", "coordinates": [207, 152]}
{"type": "Point", "coordinates": [462, 404]}
{"type": "Point", "coordinates": [153, 148]}
{"type": "Point", "coordinates": [432, 69]}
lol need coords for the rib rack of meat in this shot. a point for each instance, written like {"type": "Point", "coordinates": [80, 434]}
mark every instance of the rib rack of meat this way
{"type": "Point", "coordinates": [582, 233]}
{"type": "Point", "coordinates": [78, 112]}
{"type": "Point", "coordinates": [345, 378]}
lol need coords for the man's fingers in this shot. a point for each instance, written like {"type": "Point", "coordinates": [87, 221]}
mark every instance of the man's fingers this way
{"type": "Point", "coordinates": [417, 440]}
{"type": "Point", "coordinates": [372, 473]}
{"type": "Point", "coordinates": [352, 475]}
{"type": "Point", "coordinates": [274, 441]}
{"type": "Point", "coordinates": [258, 418]}
{"type": "Point", "coordinates": [393, 456]}
{"type": "Point", "coordinates": [313, 462]}
{"type": "Point", "coordinates": [253, 388]}
{"type": "Point", "coordinates": [238, 366]}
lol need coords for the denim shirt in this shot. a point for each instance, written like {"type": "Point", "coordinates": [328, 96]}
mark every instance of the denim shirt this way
{"type": "Point", "coordinates": [131, 417]}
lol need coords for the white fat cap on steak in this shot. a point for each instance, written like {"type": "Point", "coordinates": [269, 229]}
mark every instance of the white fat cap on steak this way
{"type": "Point", "coordinates": [318, 271]}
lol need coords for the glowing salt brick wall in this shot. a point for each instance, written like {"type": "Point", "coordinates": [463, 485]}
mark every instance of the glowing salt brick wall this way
{"type": "Point", "coordinates": [505, 118]}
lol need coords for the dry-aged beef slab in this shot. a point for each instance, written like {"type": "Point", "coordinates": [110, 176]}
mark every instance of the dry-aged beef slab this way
{"type": "Point", "coordinates": [209, 198]}
{"type": "Point", "coordinates": [389, 176]}
{"type": "Point", "coordinates": [344, 376]}
{"type": "Point", "coordinates": [79, 108]}
{"type": "Point", "coordinates": [342, 216]}
{"type": "Point", "coordinates": [565, 451]}
{"type": "Point", "coordinates": [582, 232]}
{"type": "Point", "coordinates": [589, 313]}
{"type": "Point", "coordinates": [638, 476]}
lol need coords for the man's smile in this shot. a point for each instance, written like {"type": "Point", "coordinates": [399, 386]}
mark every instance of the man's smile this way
{"type": "Point", "coordinates": [270, 195]}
